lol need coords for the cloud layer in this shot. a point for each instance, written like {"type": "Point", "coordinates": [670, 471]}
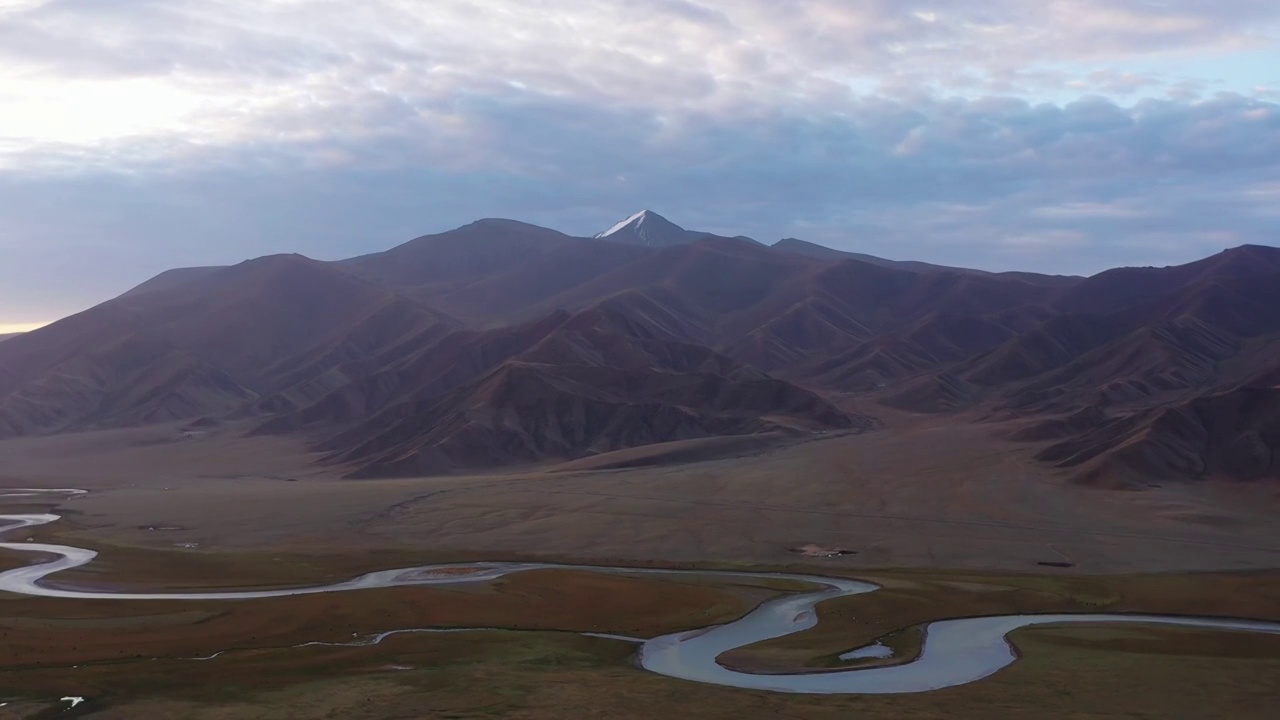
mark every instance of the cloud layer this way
{"type": "Point", "coordinates": [1060, 136]}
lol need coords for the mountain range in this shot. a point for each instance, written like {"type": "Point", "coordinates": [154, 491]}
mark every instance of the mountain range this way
{"type": "Point", "coordinates": [502, 343]}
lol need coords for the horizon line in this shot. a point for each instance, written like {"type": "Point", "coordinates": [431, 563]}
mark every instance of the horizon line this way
{"type": "Point", "coordinates": [16, 328]}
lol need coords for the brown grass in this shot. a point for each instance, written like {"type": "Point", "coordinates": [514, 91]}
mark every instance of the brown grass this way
{"type": "Point", "coordinates": [1069, 673]}
{"type": "Point", "coordinates": [46, 632]}
{"type": "Point", "coordinates": [1076, 671]}
{"type": "Point", "coordinates": [922, 493]}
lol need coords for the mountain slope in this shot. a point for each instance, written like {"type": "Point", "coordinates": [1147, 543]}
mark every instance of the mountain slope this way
{"type": "Point", "coordinates": [526, 412]}
{"type": "Point", "coordinates": [796, 246]}
{"type": "Point", "coordinates": [452, 258]}
{"type": "Point", "coordinates": [501, 342]}
{"type": "Point", "coordinates": [1229, 435]}
{"type": "Point", "coordinates": [522, 292]}
{"type": "Point", "coordinates": [620, 360]}
{"type": "Point", "coordinates": [171, 279]}
{"type": "Point", "coordinates": [1116, 289]}
{"type": "Point", "coordinates": [204, 347]}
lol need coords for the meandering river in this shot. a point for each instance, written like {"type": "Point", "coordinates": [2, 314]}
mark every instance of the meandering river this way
{"type": "Point", "coordinates": [955, 652]}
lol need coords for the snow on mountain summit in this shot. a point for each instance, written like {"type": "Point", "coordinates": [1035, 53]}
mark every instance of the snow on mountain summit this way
{"type": "Point", "coordinates": [637, 219]}
{"type": "Point", "coordinates": [650, 229]}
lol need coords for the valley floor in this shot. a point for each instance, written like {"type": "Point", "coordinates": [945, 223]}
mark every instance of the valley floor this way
{"type": "Point", "coordinates": [934, 494]}
{"type": "Point", "coordinates": [951, 520]}
{"type": "Point", "coordinates": [238, 659]}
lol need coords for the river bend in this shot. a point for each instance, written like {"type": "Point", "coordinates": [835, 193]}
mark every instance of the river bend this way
{"type": "Point", "coordinates": [955, 652]}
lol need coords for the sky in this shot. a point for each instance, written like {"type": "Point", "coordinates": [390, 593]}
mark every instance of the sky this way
{"type": "Point", "coordinates": [1062, 136]}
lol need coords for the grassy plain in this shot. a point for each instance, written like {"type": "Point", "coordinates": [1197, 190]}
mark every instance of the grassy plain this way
{"type": "Point", "coordinates": [920, 493]}
{"type": "Point", "coordinates": [132, 659]}
{"type": "Point", "coordinates": [1066, 673]}
{"type": "Point", "coordinates": [952, 521]}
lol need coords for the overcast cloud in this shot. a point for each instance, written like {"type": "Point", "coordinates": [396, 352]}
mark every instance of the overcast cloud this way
{"type": "Point", "coordinates": [1060, 136]}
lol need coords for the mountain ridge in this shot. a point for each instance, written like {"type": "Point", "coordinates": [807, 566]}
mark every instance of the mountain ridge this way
{"type": "Point", "coordinates": [814, 250]}
{"type": "Point", "coordinates": [500, 342]}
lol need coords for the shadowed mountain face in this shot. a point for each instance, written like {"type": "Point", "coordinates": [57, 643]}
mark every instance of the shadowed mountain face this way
{"type": "Point", "coordinates": [1233, 434]}
{"type": "Point", "coordinates": [503, 343]}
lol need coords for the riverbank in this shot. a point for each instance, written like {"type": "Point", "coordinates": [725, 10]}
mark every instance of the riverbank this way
{"type": "Point", "coordinates": [953, 653]}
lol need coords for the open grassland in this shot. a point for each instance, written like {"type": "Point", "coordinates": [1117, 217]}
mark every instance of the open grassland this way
{"type": "Point", "coordinates": [41, 632]}
{"type": "Point", "coordinates": [920, 493]}
{"type": "Point", "coordinates": [1073, 672]}
{"type": "Point", "coordinates": [916, 497]}
{"type": "Point", "coordinates": [129, 658]}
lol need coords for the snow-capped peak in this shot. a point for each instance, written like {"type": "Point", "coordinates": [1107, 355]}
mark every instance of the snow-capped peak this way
{"type": "Point", "coordinates": [638, 219]}
{"type": "Point", "coordinates": [649, 228]}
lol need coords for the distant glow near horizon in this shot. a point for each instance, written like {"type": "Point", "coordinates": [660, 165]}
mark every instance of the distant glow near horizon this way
{"type": "Point", "coordinates": [1060, 136]}
{"type": "Point", "coordinates": [20, 327]}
